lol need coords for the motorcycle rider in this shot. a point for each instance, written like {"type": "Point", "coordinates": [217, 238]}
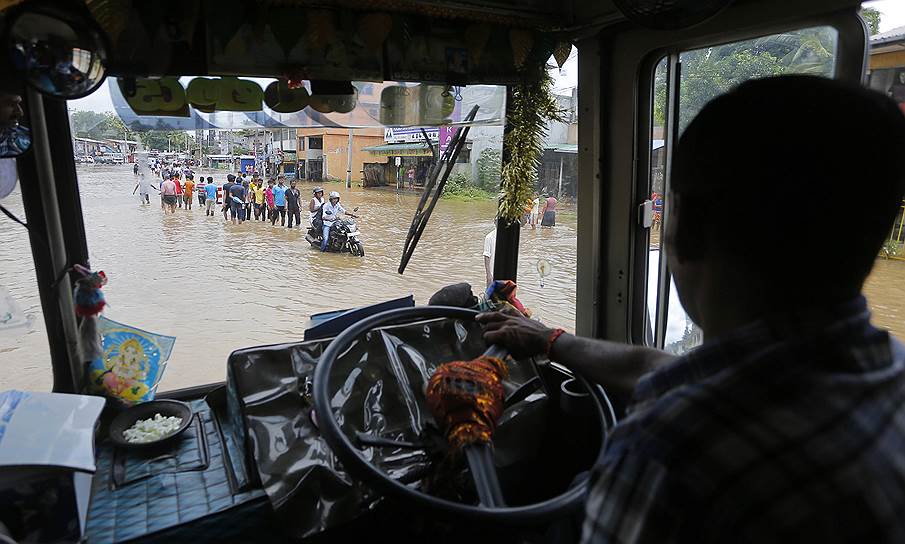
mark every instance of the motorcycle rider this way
{"type": "Point", "coordinates": [332, 209]}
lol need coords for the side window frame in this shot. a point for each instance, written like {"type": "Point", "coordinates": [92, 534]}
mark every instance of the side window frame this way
{"type": "Point", "coordinates": [614, 170]}
{"type": "Point", "coordinates": [850, 64]}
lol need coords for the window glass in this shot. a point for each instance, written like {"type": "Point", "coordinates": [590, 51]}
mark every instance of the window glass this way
{"type": "Point", "coordinates": [218, 286]}
{"type": "Point", "coordinates": [656, 182]}
{"type": "Point", "coordinates": [705, 74]}
{"type": "Point", "coordinates": [883, 288]}
{"type": "Point", "coordinates": [24, 350]}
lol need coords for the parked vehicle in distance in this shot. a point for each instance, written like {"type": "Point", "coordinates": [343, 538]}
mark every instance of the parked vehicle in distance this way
{"type": "Point", "coordinates": [110, 158]}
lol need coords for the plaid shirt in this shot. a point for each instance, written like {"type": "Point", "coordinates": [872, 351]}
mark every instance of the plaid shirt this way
{"type": "Point", "coordinates": [784, 431]}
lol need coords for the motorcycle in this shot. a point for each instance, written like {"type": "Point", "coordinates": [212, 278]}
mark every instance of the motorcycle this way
{"type": "Point", "coordinates": [344, 237]}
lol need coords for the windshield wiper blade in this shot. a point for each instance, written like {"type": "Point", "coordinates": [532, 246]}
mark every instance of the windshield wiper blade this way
{"type": "Point", "coordinates": [445, 164]}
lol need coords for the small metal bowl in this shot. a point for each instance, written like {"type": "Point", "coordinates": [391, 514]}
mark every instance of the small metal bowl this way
{"type": "Point", "coordinates": [148, 410]}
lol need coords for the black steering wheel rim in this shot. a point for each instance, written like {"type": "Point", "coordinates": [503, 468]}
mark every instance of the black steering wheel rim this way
{"type": "Point", "coordinates": [343, 448]}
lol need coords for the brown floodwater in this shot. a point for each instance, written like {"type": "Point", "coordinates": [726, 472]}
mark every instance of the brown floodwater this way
{"type": "Point", "coordinates": [218, 287]}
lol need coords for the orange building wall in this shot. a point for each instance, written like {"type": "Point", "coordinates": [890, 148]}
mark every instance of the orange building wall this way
{"type": "Point", "coordinates": [336, 140]}
{"type": "Point", "coordinates": [322, 131]}
{"type": "Point", "coordinates": [335, 154]}
{"type": "Point", "coordinates": [893, 59]}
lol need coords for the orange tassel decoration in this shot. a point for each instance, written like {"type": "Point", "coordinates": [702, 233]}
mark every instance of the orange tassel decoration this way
{"type": "Point", "coordinates": [466, 399]}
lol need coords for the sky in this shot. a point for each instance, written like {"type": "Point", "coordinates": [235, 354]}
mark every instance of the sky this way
{"type": "Point", "coordinates": [892, 11]}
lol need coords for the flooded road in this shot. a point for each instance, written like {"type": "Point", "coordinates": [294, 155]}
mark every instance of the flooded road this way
{"type": "Point", "coordinates": [219, 287]}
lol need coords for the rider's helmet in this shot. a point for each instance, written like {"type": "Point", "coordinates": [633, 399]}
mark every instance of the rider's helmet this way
{"type": "Point", "coordinates": [317, 190]}
{"type": "Point", "coordinates": [334, 194]}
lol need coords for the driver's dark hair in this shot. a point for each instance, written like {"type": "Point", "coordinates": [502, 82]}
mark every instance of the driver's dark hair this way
{"type": "Point", "coordinates": [798, 179]}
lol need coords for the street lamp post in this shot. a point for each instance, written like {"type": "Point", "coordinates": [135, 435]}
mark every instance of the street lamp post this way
{"type": "Point", "coordinates": [349, 163]}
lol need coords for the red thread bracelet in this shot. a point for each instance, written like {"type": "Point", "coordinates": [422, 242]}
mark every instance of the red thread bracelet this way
{"type": "Point", "coordinates": [553, 336]}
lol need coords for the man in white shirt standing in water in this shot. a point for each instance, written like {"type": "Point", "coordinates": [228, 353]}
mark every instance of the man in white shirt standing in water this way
{"type": "Point", "coordinates": [489, 251]}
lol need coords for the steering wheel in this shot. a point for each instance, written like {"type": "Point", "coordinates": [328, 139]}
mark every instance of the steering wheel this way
{"type": "Point", "coordinates": [491, 506]}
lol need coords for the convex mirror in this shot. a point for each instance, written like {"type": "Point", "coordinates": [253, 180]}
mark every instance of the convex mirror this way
{"type": "Point", "coordinates": [59, 57]}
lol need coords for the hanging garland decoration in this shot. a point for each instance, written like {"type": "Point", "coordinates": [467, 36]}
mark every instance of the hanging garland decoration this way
{"type": "Point", "coordinates": [531, 106]}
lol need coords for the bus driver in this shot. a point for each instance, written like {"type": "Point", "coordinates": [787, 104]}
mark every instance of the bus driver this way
{"type": "Point", "coordinates": [788, 423]}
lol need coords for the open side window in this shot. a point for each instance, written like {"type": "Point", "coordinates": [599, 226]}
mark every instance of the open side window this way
{"type": "Point", "coordinates": [684, 82]}
{"type": "Point", "coordinates": [624, 290]}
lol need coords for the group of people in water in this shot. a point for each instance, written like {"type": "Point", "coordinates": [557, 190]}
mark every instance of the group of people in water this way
{"type": "Point", "coordinates": [543, 208]}
{"type": "Point", "coordinates": [244, 197]}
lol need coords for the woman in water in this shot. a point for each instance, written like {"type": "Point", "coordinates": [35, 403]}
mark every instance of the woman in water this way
{"type": "Point", "coordinates": [549, 218]}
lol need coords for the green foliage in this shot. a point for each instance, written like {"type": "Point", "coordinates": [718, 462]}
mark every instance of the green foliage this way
{"type": "Point", "coordinates": [531, 106]}
{"type": "Point", "coordinates": [157, 139]}
{"type": "Point", "coordinates": [489, 165]}
{"type": "Point", "coordinates": [872, 18]}
{"type": "Point", "coordinates": [890, 248]}
{"type": "Point", "coordinates": [459, 187]}
{"type": "Point", "coordinates": [712, 71]}
{"type": "Point", "coordinates": [91, 124]}
{"type": "Point", "coordinates": [108, 125]}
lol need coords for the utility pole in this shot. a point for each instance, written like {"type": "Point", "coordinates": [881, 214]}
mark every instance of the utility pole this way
{"type": "Point", "coordinates": [349, 163]}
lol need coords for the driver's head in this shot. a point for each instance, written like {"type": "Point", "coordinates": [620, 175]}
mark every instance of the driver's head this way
{"type": "Point", "coordinates": [783, 191]}
{"type": "Point", "coordinates": [10, 110]}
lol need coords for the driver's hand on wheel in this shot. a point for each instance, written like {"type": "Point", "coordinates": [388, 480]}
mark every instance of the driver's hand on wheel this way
{"type": "Point", "coordinates": [521, 336]}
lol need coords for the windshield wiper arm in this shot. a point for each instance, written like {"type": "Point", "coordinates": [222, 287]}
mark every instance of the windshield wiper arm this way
{"type": "Point", "coordinates": [448, 160]}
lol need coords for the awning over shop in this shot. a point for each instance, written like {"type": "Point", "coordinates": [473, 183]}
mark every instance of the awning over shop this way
{"type": "Point", "coordinates": [416, 149]}
{"type": "Point", "coordinates": [573, 148]}
{"type": "Point", "coordinates": [563, 148]}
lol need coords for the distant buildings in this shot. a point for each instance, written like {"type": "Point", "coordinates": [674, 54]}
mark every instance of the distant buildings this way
{"type": "Point", "coordinates": [82, 147]}
{"type": "Point", "coordinates": [887, 64]}
{"type": "Point", "coordinates": [381, 156]}
{"type": "Point", "coordinates": [558, 170]}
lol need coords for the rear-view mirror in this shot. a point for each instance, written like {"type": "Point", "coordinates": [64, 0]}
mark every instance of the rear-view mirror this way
{"type": "Point", "coordinates": [58, 55]}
